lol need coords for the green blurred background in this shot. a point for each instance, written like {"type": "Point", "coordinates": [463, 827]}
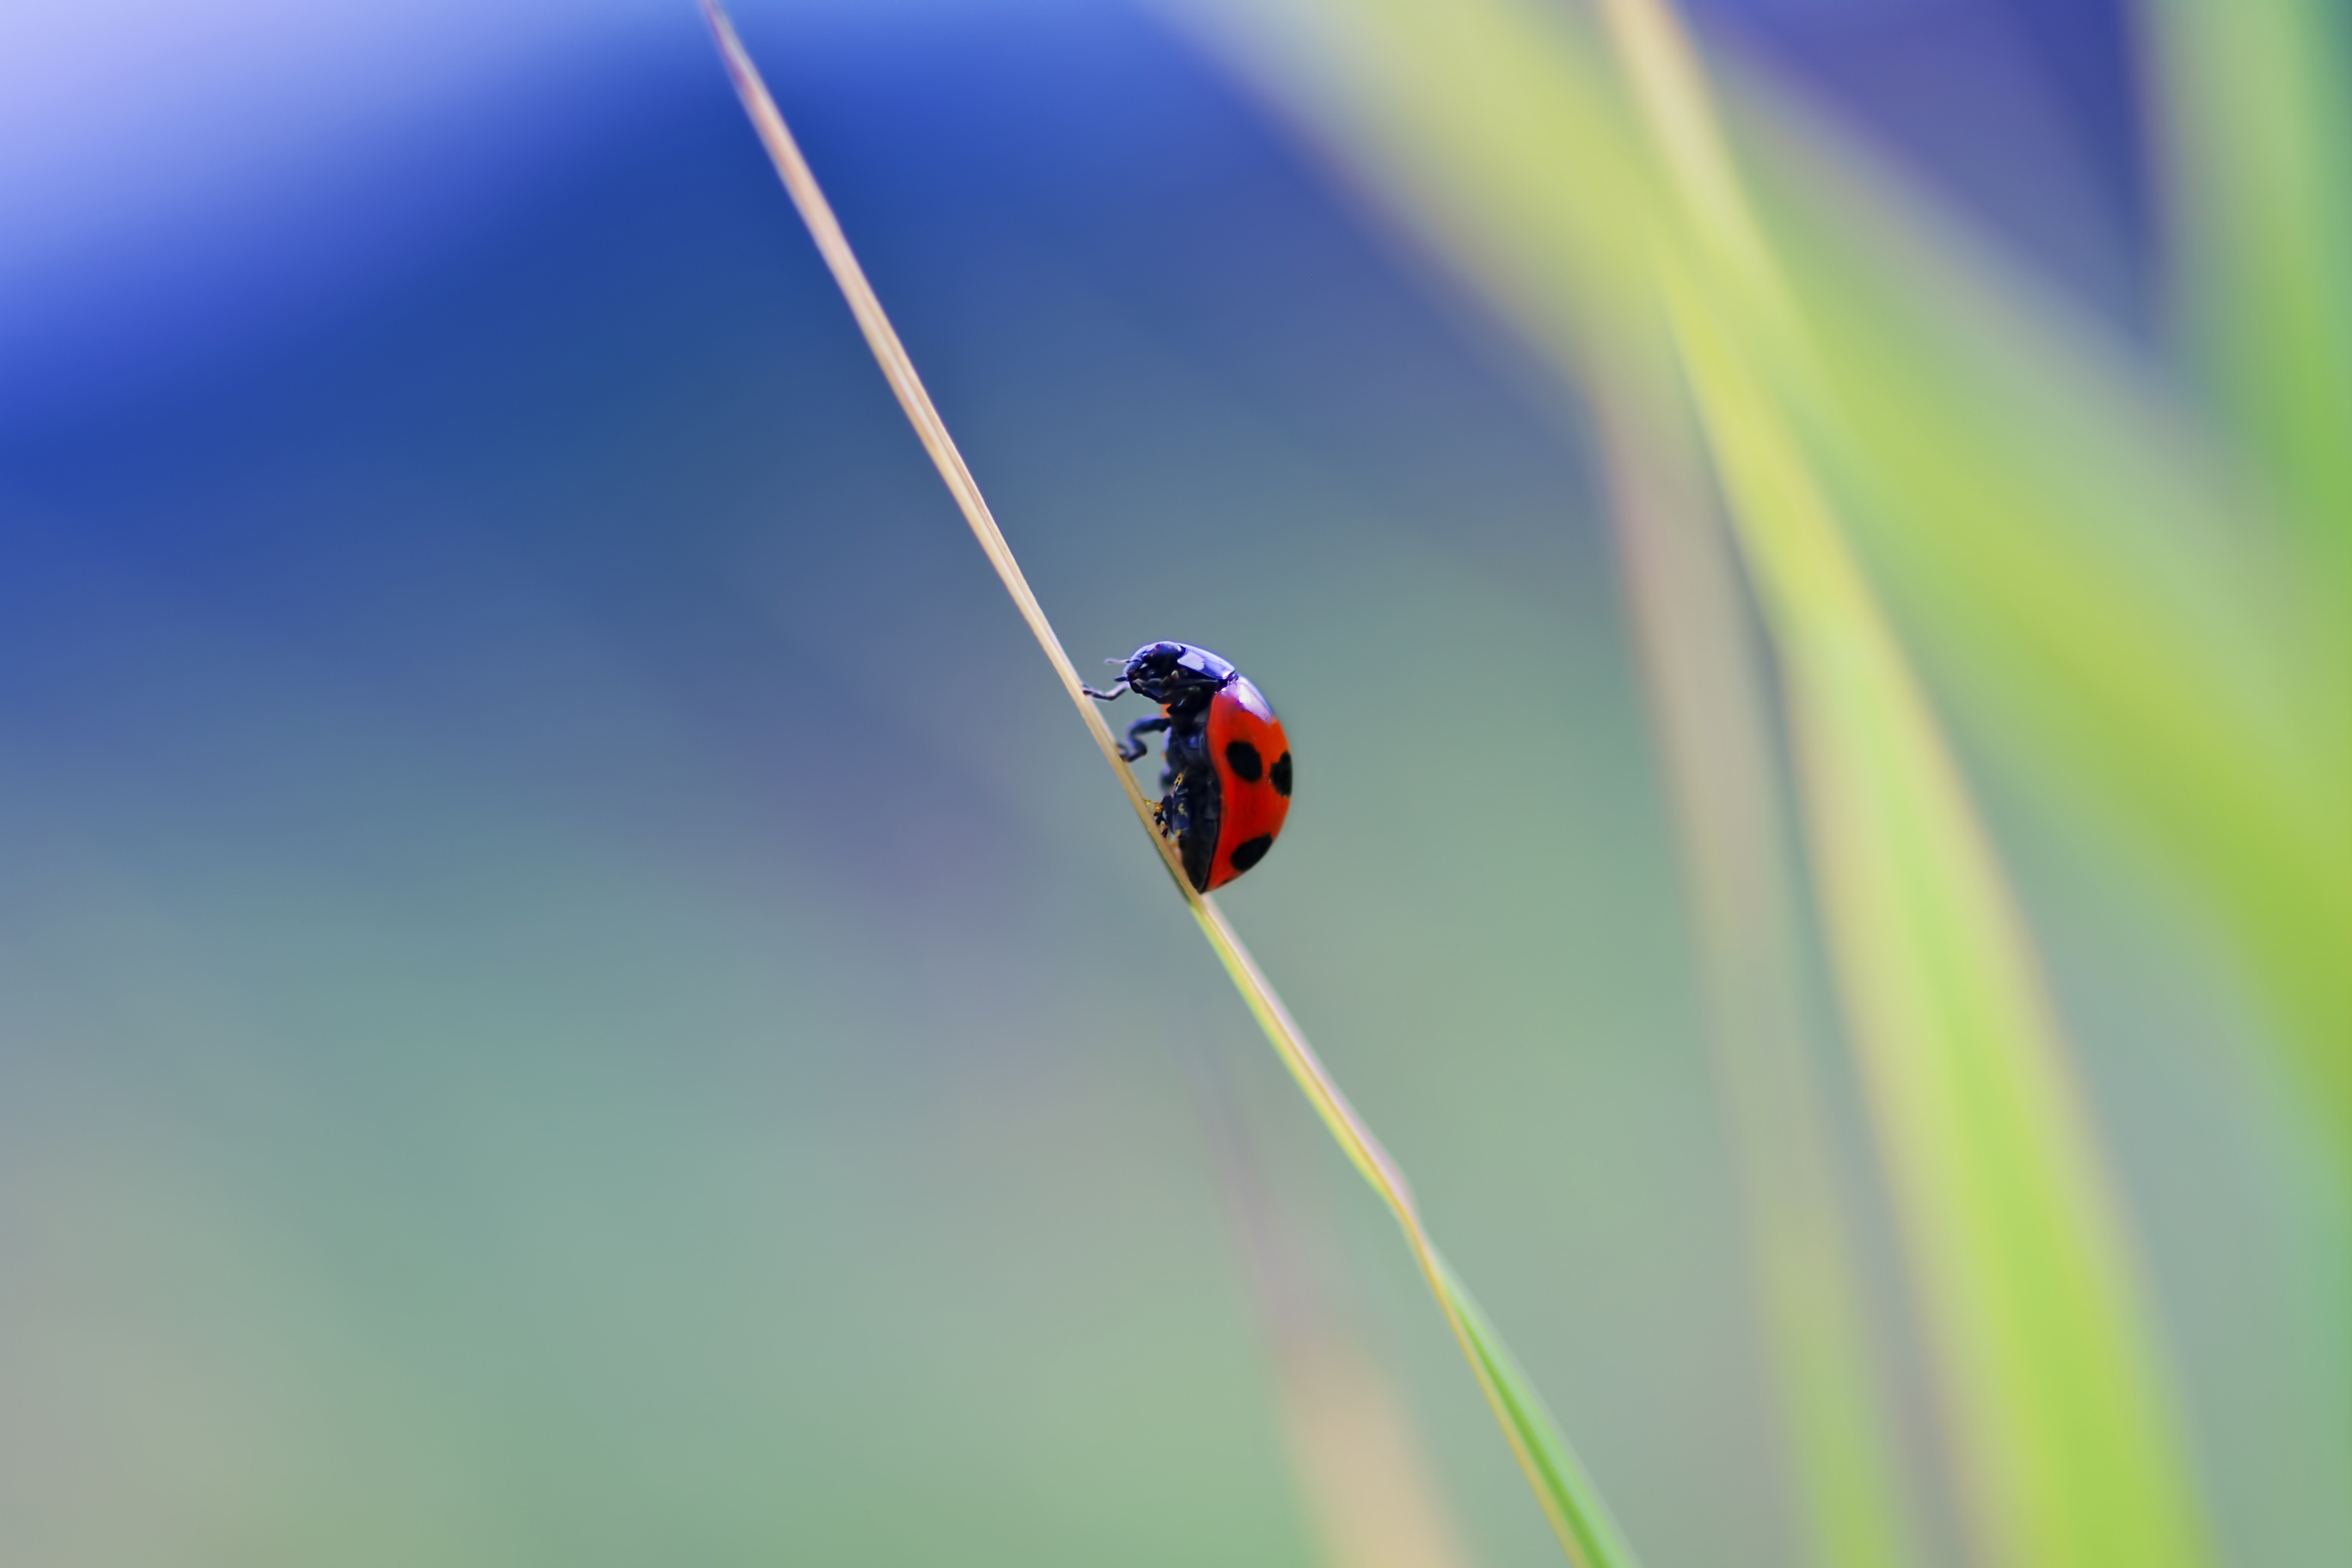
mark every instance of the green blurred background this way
{"type": "Point", "coordinates": [570, 993]}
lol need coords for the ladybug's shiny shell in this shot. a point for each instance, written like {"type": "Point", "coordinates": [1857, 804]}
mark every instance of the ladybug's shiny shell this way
{"type": "Point", "coordinates": [1227, 778]}
{"type": "Point", "coordinates": [1251, 757]}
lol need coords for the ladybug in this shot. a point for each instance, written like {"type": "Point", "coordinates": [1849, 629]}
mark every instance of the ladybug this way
{"type": "Point", "coordinates": [1228, 762]}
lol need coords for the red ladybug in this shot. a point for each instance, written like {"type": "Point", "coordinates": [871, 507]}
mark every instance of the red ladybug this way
{"type": "Point", "coordinates": [1228, 772]}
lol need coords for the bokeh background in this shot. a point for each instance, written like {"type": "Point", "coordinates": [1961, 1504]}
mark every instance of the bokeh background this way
{"type": "Point", "coordinates": [569, 991]}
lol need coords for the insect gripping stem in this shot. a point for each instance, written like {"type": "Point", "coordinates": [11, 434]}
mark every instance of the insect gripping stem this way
{"type": "Point", "coordinates": [1574, 1508]}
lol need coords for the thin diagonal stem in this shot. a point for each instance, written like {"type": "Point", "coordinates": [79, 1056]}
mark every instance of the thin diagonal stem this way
{"type": "Point", "coordinates": [1585, 1530]}
{"type": "Point", "coordinates": [899, 370]}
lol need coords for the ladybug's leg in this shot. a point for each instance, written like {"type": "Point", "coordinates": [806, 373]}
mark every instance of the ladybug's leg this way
{"type": "Point", "coordinates": [1118, 689]}
{"type": "Point", "coordinates": [1185, 748]}
{"type": "Point", "coordinates": [1135, 733]}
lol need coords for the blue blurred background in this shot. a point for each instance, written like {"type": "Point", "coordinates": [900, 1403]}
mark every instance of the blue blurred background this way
{"type": "Point", "coordinates": [569, 991]}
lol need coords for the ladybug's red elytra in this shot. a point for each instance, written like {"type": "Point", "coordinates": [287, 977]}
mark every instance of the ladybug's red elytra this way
{"type": "Point", "coordinates": [1228, 762]}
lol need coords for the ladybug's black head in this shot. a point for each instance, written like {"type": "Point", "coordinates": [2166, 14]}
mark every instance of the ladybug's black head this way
{"type": "Point", "coordinates": [1168, 671]}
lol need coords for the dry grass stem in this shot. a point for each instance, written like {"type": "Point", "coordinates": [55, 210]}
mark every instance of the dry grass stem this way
{"type": "Point", "coordinates": [1585, 1531]}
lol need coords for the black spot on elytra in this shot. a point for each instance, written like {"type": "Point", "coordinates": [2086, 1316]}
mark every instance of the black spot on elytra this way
{"type": "Point", "coordinates": [1242, 758]}
{"type": "Point", "coordinates": [1281, 775]}
{"type": "Point", "coordinates": [1249, 854]}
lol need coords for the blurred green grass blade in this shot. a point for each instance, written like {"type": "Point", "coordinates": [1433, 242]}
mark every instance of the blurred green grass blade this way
{"type": "Point", "coordinates": [2069, 550]}
{"type": "Point", "coordinates": [1711, 721]}
{"type": "Point", "coordinates": [2064, 1440]}
{"type": "Point", "coordinates": [2067, 1449]}
{"type": "Point", "coordinates": [2257, 125]}
{"type": "Point", "coordinates": [2080, 574]}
